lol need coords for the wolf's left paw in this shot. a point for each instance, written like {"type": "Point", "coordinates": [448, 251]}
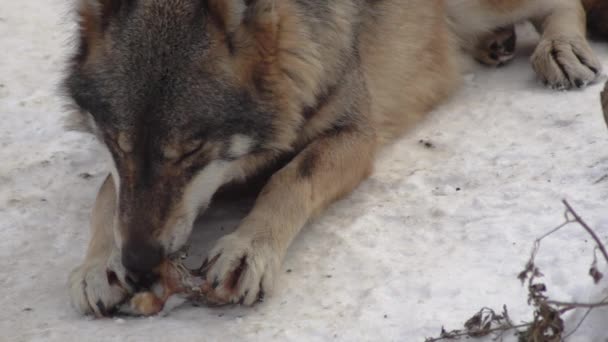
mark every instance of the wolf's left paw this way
{"type": "Point", "coordinates": [565, 62]}
{"type": "Point", "coordinates": [240, 270]}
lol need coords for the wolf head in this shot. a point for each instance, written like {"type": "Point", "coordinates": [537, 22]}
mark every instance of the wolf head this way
{"type": "Point", "coordinates": [186, 95]}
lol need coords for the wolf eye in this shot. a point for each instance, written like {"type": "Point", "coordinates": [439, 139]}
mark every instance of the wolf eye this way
{"type": "Point", "coordinates": [191, 153]}
{"type": "Point", "coordinates": [113, 144]}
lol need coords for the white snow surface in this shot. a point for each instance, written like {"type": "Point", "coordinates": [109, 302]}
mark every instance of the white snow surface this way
{"type": "Point", "coordinates": [434, 234]}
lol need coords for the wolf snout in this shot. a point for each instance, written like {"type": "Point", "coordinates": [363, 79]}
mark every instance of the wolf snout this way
{"type": "Point", "coordinates": [141, 259]}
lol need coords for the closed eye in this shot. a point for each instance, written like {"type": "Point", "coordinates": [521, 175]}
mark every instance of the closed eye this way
{"type": "Point", "coordinates": [191, 153]}
{"type": "Point", "coordinates": [113, 145]}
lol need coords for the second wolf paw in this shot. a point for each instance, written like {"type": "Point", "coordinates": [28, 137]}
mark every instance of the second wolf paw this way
{"type": "Point", "coordinates": [240, 270]}
{"type": "Point", "coordinates": [565, 62]}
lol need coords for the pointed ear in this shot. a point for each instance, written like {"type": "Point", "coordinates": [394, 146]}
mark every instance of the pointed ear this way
{"type": "Point", "coordinates": [95, 15]}
{"type": "Point", "coordinates": [93, 19]}
{"type": "Point", "coordinates": [259, 18]}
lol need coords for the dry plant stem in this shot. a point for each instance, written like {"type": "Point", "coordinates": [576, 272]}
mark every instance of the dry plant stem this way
{"type": "Point", "coordinates": [573, 305]}
{"type": "Point", "coordinates": [548, 324]}
{"type": "Point", "coordinates": [578, 325]}
{"type": "Point", "coordinates": [455, 335]}
{"type": "Point", "coordinates": [578, 219]}
{"type": "Point", "coordinates": [536, 295]}
{"type": "Point", "coordinates": [580, 322]}
{"type": "Point", "coordinates": [480, 325]}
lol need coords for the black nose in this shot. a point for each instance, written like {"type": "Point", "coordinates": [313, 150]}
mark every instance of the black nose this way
{"type": "Point", "coordinates": [141, 258]}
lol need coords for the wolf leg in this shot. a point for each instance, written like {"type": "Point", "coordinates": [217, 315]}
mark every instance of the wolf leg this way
{"type": "Point", "coordinates": [99, 283]}
{"type": "Point", "coordinates": [563, 59]}
{"type": "Point", "coordinates": [244, 265]}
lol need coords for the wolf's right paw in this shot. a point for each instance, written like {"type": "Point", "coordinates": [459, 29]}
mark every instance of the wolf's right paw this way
{"type": "Point", "coordinates": [565, 62]}
{"type": "Point", "coordinates": [97, 289]}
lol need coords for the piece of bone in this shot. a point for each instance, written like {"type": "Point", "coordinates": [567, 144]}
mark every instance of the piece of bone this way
{"type": "Point", "coordinates": [175, 280]}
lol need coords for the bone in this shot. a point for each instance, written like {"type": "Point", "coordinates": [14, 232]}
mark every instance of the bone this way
{"type": "Point", "coordinates": [175, 280]}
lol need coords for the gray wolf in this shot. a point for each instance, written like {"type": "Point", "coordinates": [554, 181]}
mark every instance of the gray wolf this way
{"type": "Point", "coordinates": [188, 96]}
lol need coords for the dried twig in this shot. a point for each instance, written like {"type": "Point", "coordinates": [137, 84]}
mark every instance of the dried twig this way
{"type": "Point", "coordinates": [456, 334]}
{"type": "Point", "coordinates": [574, 305]}
{"type": "Point", "coordinates": [578, 325]}
{"type": "Point", "coordinates": [580, 221]}
{"type": "Point", "coordinates": [484, 323]}
{"type": "Point", "coordinates": [548, 325]}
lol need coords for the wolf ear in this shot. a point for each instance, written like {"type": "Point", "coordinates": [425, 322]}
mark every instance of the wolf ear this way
{"type": "Point", "coordinates": [95, 15]}
{"type": "Point", "coordinates": [257, 18]}
{"type": "Point", "coordinates": [93, 19]}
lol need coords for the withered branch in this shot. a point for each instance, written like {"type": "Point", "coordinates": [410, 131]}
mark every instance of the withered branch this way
{"type": "Point", "coordinates": [547, 324]}
{"type": "Point", "coordinates": [580, 221]}
{"type": "Point", "coordinates": [484, 323]}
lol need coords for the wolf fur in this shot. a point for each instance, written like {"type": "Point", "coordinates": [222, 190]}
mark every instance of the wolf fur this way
{"type": "Point", "coordinates": [190, 95]}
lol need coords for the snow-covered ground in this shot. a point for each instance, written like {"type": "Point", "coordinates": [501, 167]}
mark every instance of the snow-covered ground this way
{"type": "Point", "coordinates": [435, 234]}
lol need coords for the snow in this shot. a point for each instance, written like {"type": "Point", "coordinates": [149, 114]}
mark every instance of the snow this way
{"type": "Point", "coordinates": [435, 234]}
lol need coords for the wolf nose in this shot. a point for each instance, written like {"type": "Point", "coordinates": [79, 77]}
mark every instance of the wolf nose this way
{"type": "Point", "coordinates": [140, 258]}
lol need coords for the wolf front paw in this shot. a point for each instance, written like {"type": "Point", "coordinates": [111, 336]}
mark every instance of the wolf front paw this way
{"type": "Point", "coordinates": [240, 270]}
{"type": "Point", "coordinates": [97, 288]}
{"type": "Point", "coordinates": [565, 62]}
